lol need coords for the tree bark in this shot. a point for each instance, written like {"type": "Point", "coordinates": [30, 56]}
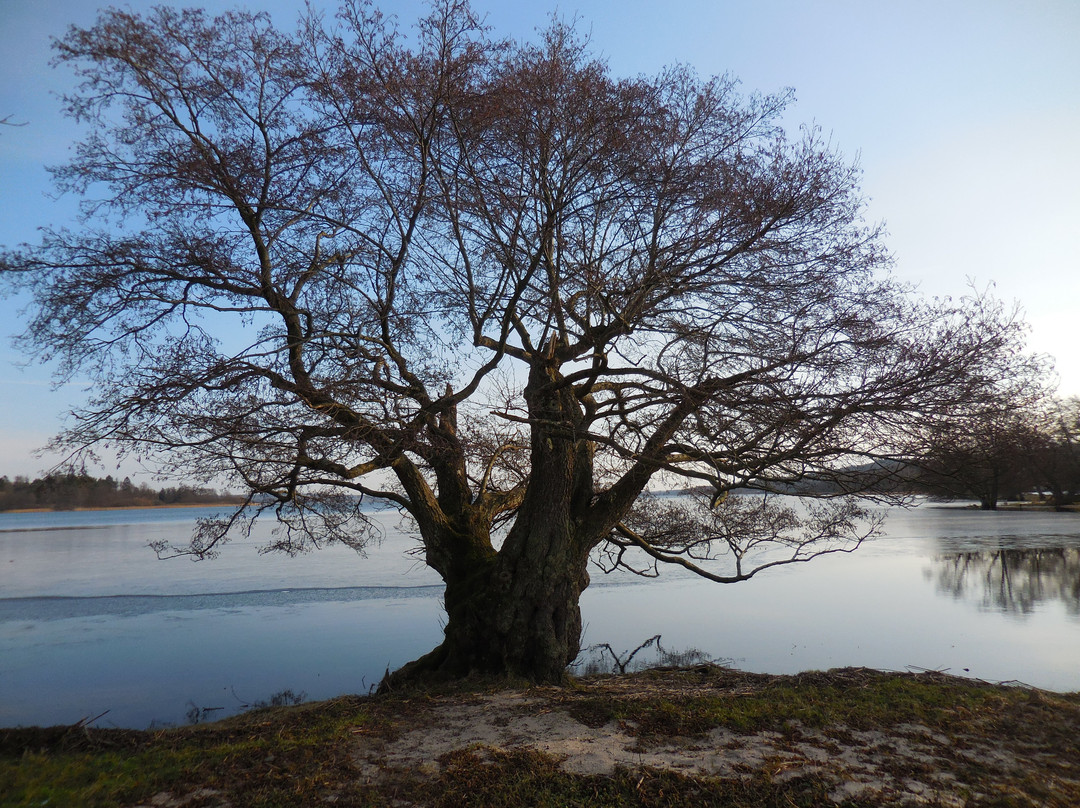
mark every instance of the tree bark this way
{"type": "Point", "coordinates": [516, 612]}
{"type": "Point", "coordinates": [989, 499]}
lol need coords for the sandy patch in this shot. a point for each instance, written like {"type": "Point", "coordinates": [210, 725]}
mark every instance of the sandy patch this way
{"type": "Point", "coordinates": [903, 765]}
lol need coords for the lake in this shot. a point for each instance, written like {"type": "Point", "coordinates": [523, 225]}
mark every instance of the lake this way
{"type": "Point", "coordinates": [93, 624]}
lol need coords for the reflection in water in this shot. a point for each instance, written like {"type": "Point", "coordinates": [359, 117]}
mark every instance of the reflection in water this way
{"type": "Point", "coordinates": [1016, 581]}
{"type": "Point", "coordinates": [90, 620]}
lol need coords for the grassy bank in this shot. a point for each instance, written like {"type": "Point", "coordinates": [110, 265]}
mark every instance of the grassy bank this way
{"type": "Point", "coordinates": [688, 737]}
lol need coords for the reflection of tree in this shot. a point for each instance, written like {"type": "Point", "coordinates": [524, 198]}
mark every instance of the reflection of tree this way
{"type": "Point", "coordinates": [1013, 580]}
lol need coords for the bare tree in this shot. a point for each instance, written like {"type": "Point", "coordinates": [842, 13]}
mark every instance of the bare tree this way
{"type": "Point", "coordinates": [997, 446]}
{"type": "Point", "coordinates": [489, 283]}
{"type": "Point", "coordinates": [1056, 450]}
{"type": "Point", "coordinates": [986, 454]}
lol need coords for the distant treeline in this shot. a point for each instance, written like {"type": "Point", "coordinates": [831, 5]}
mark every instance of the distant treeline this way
{"type": "Point", "coordinates": [65, 492]}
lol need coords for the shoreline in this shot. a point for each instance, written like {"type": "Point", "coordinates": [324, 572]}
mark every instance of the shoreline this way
{"type": "Point", "coordinates": [126, 507]}
{"type": "Point", "coordinates": [1036, 506]}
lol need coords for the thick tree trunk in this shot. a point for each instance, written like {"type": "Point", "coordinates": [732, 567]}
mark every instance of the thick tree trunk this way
{"type": "Point", "coordinates": [989, 498]}
{"type": "Point", "coordinates": [516, 612]}
{"type": "Point", "coordinates": [517, 615]}
{"type": "Point", "coordinates": [1060, 499]}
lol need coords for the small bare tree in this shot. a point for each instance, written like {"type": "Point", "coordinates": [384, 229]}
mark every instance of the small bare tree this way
{"type": "Point", "coordinates": [492, 284]}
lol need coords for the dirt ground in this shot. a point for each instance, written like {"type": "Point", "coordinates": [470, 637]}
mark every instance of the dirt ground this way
{"type": "Point", "coordinates": [976, 760]}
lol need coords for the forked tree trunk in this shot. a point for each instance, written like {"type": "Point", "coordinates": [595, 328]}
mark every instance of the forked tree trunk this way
{"type": "Point", "coordinates": [516, 612]}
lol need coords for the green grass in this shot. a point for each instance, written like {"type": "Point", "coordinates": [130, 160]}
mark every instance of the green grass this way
{"type": "Point", "coordinates": [277, 756]}
{"type": "Point", "coordinates": [810, 700]}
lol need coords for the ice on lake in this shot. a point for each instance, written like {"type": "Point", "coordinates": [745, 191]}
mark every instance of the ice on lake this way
{"type": "Point", "coordinates": [92, 622]}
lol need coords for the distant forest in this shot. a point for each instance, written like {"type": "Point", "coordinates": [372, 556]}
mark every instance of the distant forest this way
{"type": "Point", "coordinates": [66, 492]}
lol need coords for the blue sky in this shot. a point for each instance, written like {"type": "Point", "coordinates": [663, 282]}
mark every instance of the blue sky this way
{"type": "Point", "coordinates": [964, 115]}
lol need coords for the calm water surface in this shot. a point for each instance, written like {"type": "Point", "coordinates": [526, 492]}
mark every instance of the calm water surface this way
{"type": "Point", "coordinates": [92, 622]}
